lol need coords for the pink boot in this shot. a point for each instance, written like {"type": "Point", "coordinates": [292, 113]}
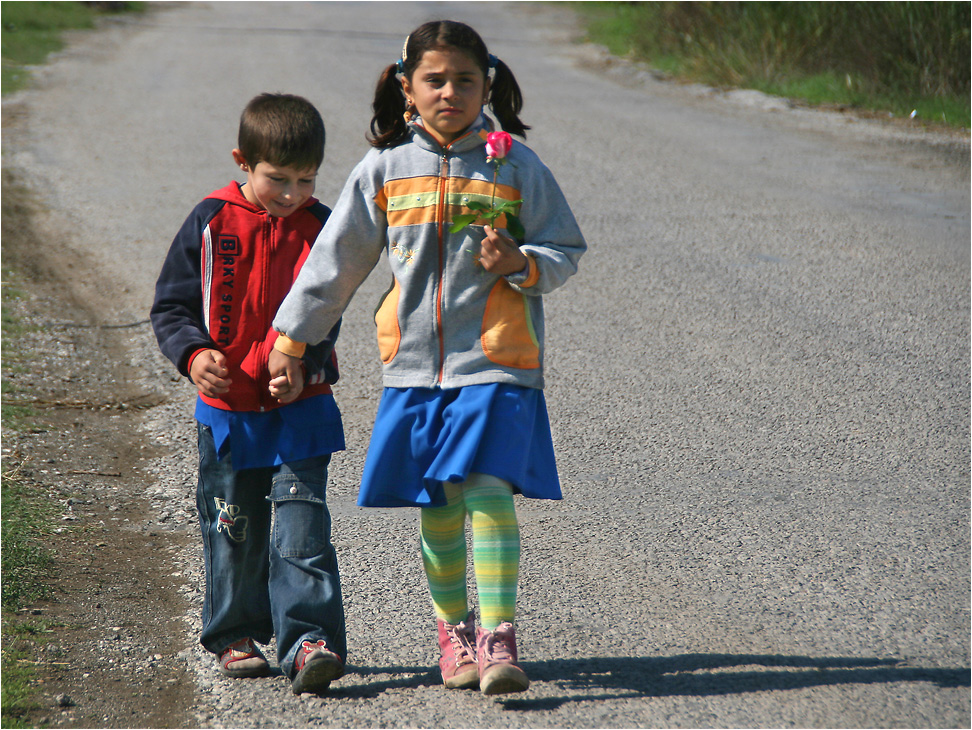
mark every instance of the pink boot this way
{"type": "Point", "coordinates": [496, 654]}
{"type": "Point", "coordinates": [458, 659]}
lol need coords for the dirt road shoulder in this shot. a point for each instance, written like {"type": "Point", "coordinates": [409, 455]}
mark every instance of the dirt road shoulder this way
{"type": "Point", "coordinates": [113, 626]}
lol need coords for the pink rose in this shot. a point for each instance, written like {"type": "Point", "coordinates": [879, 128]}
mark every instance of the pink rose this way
{"type": "Point", "coordinates": [498, 145]}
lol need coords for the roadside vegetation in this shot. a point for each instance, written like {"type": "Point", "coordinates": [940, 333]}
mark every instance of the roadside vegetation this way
{"type": "Point", "coordinates": [905, 59]}
{"type": "Point", "coordinates": [33, 30]}
{"type": "Point", "coordinates": [30, 32]}
{"type": "Point", "coordinates": [28, 517]}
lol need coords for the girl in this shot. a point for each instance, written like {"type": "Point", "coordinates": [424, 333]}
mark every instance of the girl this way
{"type": "Point", "coordinates": [462, 424]}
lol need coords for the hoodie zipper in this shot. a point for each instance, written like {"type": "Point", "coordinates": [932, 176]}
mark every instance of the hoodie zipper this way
{"type": "Point", "coordinates": [443, 184]}
{"type": "Point", "coordinates": [440, 220]}
{"type": "Point", "coordinates": [266, 294]}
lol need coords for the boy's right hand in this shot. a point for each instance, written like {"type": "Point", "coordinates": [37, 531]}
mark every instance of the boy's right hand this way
{"type": "Point", "coordinates": [209, 373]}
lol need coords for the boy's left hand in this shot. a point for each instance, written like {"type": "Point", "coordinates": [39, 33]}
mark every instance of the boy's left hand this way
{"type": "Point", "coordinates": [500, 255]}
{"type": "Point", "coordinates": [286, 376]}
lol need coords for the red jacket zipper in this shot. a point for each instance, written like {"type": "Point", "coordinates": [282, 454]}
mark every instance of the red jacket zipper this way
{"type": "Point", "coordinates": [263, 396]}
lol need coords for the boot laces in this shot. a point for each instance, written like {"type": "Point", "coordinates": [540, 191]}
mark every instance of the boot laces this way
{"type": "Point", "coordinates": [497, 647]}
{"type": "Point", "coordinates": [459, 636]}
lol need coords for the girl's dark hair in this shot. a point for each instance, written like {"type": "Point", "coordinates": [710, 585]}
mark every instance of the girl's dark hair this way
{"type": "Point", "coordinates": [388, 127]}
{"type": "Point", "coordinates": [283, 130]}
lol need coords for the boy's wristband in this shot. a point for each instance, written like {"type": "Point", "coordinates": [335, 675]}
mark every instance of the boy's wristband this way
{"type": "Point", "coordinates": [288, 346]}
{"type": "Point", "coordinates": [192, 357]}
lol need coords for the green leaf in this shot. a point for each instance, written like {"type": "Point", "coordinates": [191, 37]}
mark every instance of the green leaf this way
{"type": "Point", "coordinates": [477, 205]}
{"type": "Point", "coordinates": [515, 227]}
{"type": "Point", "coordinates": [461, 221]}
{"type": "Point", "coordinates": [510, 206]}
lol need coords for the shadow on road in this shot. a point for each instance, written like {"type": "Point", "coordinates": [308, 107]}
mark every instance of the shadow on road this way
{"type": "Point", "coordinates": [401, 677]}
{"type": "Point", "coordinates": [604, 678]}
{"type": "Point", "coordinates": [715, 674]}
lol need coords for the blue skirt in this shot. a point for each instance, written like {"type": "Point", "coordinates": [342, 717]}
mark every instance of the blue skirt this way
{"type": "Point", "coordinates": [424, 437]}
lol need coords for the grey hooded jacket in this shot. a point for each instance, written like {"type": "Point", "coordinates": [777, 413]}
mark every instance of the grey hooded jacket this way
{"type": "Point", "coordinates": [445, 322]}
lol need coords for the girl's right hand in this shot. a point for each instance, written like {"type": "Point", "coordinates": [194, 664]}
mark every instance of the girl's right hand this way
{"type": "Point", "coordinates": [286, 376]}
{"type": "Point", "coordinates": [209, 373]}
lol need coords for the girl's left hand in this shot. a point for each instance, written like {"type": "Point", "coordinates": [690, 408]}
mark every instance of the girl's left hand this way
{"type": "Point", "coordinates": [500, 255]}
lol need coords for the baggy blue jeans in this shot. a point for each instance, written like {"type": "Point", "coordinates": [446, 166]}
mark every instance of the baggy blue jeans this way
{"type": "Point", "coordinates": [270, 565]}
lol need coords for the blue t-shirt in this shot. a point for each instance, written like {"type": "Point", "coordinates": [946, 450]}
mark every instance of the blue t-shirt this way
{"type": "Point", "coordinates": [301, 430]}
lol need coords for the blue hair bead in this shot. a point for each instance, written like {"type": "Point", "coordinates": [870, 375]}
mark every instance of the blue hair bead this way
{"type": "Point", "coordinates": [493, 60]}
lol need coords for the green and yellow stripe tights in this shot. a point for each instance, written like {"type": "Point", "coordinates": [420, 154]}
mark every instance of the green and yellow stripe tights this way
{"type": "Point", "coordinates": [496, 550]}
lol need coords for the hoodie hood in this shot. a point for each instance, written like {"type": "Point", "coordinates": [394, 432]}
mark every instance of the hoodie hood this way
{"type": "Point", "coordinates": [473, 137]}
{"type": "Point", "coordinates": [233, 193]}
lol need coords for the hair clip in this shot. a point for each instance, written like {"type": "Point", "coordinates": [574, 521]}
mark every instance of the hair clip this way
{"type": "Point", "coordinates": [400, 63]}
{"type": "Point", "coordinates": [493, 60]}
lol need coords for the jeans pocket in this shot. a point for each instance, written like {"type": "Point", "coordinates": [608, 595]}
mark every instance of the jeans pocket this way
{"type": "Point", "coordinates": [301, 522]}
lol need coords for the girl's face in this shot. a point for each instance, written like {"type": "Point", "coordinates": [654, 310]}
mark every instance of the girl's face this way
{"type": "Point", "coordinates": [448, 89]}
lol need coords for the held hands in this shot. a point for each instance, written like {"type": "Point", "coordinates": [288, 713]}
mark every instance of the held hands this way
{"type": "Point", "coordinates": [500, 255]}
{"type": "Point", "coordinates": [286, 376]}
{"type": "Point", "coordinates": [209, 373]}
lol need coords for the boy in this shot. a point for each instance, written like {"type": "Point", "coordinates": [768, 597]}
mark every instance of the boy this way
{"type": "Point", "coordinates": [270, 565]}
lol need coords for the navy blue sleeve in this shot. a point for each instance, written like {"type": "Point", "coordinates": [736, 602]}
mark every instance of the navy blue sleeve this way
{"type": "Point", "coordinates": [177, 313]}
{"type": "Point", "coordinates": [321, 356]}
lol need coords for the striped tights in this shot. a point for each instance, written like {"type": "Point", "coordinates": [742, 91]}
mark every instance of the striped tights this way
{"type": "Point", "coordinates": [496, 550]}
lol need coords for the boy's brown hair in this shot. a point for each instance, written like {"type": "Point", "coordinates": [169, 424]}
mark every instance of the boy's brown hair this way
{"type": "Point", "coordinates": [283, 130]}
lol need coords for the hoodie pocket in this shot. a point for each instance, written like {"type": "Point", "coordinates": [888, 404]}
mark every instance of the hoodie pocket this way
{"type": "Point", "coordinates": [508, 336]}
{"type": "Point", "coordinates": [386, 319]}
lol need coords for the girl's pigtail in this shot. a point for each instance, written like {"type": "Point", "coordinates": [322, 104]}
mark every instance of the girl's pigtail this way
{"type": "Point", "coordinates": [506, 101]}
{"type": "Point", "coordinates": [388, 126]}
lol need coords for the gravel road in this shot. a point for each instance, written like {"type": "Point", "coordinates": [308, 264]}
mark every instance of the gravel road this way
{"type": "Point", "coordinates": [758, 382]}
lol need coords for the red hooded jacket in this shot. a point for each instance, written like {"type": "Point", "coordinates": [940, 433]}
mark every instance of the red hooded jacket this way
{"type": "Point", "coordinates": [228, 269]}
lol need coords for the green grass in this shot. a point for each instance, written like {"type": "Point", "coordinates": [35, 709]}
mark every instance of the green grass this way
{"type": "Point", "coordinates": [13, 415]}
{"type": "Point", "coordinates": [28, 568]}
{"type": "Point", "coordinates": [28, 518]}
{"type": "Point", "coordinates": [33, 30]}
{"type": "Point", "coordinates": [17, 696]}
{"type": "Point", "coordinates": [897, 57]}
{"type": "Point", "coordinates": [30, 32]}
{"type": "Point", "coordinates": [26, 527]}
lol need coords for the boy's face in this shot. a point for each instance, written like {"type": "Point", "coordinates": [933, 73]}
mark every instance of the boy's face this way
{"type": "Point", "coordinates": [279, 190]}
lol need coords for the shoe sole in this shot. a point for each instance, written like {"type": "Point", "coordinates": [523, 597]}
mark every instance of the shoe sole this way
{"type": "Point", "coordinates": [261, 671]}
{"type": "Point", "coordinates": [464, 680]}
{"type": "Point", "coordinates": [503, 679]}
{"type": "Point", "coordinates": [317, 675]}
